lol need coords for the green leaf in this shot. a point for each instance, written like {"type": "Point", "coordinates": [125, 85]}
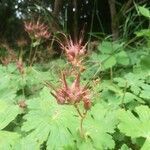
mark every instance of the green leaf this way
{"type": "Point", "coordinates": [143, 32]}
{"type": "Point", "coordinates": [7, 89]}
{"type": "Point", "coordinates": [103, 61]}
{"type": "Point", "coordinates": [8, 140]}
{"type": "Point", "coordinates": [115, 96]}
{"type": "Point", "coordinates": [109, 62]}
{"type": "Point", "coordinates": [27, 144]}
{"type": "Point", "coordinates": [8, 113]}
{"type": "Point", "coordinates": [85, 144]}
{"type": "Point", "coordinates": [135, 82]}
{"type": "Point", "coordinates": [11, 82]}
{"type": "Point", "coordinates": [146, 145]}
{"type": "Point", "coordinates": [145, 63]}
{"type": "Point", "coordinates": [136, 126]}
{"type": "Point", "coordinates": [122, 58]}
{"type": "Point", "coordinates": [108, 55]}
{"type": "Point", "coordinates": [48, 121]}
{"type": "Point", "coordinates": [144, 11]}
{"type": "Point", "coordinates": [125, 147]}
{"type": "Point", "coordinates": [35, 43]}
{"type": "Point", "coordinates": [120, 81]}
{"type": "Point", "coordinates": [145, 94]}
{"type": "Point", "coordinates": [106, 47]}
{"type": "Point", "coordinates": [100, 126]}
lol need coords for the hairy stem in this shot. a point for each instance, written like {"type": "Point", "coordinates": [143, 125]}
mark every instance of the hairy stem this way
{"type": "Point", "coordinates": [123, 97]}
{"type": "Point", "coordinates": [81, 124]}
{"type": "Point", "coordinates": [111, 74]}
{"type": "Point", "coordinates": [34, 55]}
{"type": "Point", "coordinates": [30, 53]}
{"type": "Point", "coordinates": [78, 110]}
{"type": "Point", "coordinates": [82, 117]}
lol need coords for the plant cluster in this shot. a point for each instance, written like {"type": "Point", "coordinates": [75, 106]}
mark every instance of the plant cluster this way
{"type": "Point", "coordinates": [105, 106]}
{"type": "Point", "coordinates": [70, 117]}
{"type": "Point", "coordinates": [75, 93]}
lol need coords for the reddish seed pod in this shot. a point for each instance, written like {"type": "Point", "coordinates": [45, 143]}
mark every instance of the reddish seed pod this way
{"type": "Point", "coordinates": [87, 104]}
{"type": "Point", "coordinates": [75, 51]}
{"type": "Point", "coordinates": [20, 66]}
{"type": "Point", "coordinates": [72, 94]}
{"type": "Point", "coordinates": [37, 29]}
{"type": "Point", "coordinates": [22, 104]}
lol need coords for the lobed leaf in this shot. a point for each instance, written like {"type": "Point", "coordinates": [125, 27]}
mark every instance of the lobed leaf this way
{"type": "Point", "coordinates": [100, 126]}
{"type": "Point", "coordinates": [8, 140]}
{"type": "Point", "coordinates": [48, 121]}
{"type": "Point", "coordinates": [136, 126]}
{"type": "Point", "coordinates": [8, 113]}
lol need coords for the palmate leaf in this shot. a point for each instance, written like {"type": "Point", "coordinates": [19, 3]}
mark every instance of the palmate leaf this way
{"type": "Point", "coordinates": [8, 113]}
{"type": "Point", "coordinates": [84, 144]}
{"type": "Point", "coordinates": [145, 92]}
{"type": "Point", "coordinates": [136, 126]}
{"type": "Point", "coordinates": [114, 95]}
{"type": "Point", "coordinates": [34, 76]}
{"type": "Point", "coordinates": [137, 84]}
{"type": "Point", "coordinates": [145, 62]}
{"type": "Point", "coordinates": [122, 58]}
{"type": "Point", "coordinates": [105, 60]}
{"type": "Point", "coordinates": [106, 57]}
{"type": "Point", "coordinates": [108, 61]}
{"type": "Point", "coordinates": [8, 140]}
{"type": "Point", "coordinates": [143, 32]}
{"type": "Point", "coordinates": [7, 89]}
{"type": "Point", "coordinates": [48, 121]}
{"type": "Point", "coordinates": [110, 54]}
{"type": "Point", "coordinates": [26, 144]}
{"type": "Point", "coordinates": [11, 82]}
{"type": "Point", "coordinates": [125, 147]}
{"type": "Point", "coordinates": [100, 125]}
{"type": "Point", "coordinates": [134, 82]}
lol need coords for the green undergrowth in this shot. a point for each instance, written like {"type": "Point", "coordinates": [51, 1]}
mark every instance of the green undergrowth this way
{"type": "Point", "coordinates": [119, 79]}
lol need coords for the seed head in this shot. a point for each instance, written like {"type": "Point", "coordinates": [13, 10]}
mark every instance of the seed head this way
{"type": "Point", "coordinates": [72, 94]}
{"type": "Point", "coordinates": [74, 51]}
{"type": "Point", "coordinates": [37, 29]}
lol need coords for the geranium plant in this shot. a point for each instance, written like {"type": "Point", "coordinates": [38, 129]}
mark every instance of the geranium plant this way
{"type": "Point", "coordinates": [75, 93]}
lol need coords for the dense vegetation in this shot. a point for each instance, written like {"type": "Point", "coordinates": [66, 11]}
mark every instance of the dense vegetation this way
{"type": "Point", "coordinates": [63, 92]}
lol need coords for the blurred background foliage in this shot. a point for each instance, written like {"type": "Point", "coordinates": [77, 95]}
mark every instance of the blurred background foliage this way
{"type": "Point", "coordinates": [96, 17]}
{"type": "Point", "coordinates": [116, 69]}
